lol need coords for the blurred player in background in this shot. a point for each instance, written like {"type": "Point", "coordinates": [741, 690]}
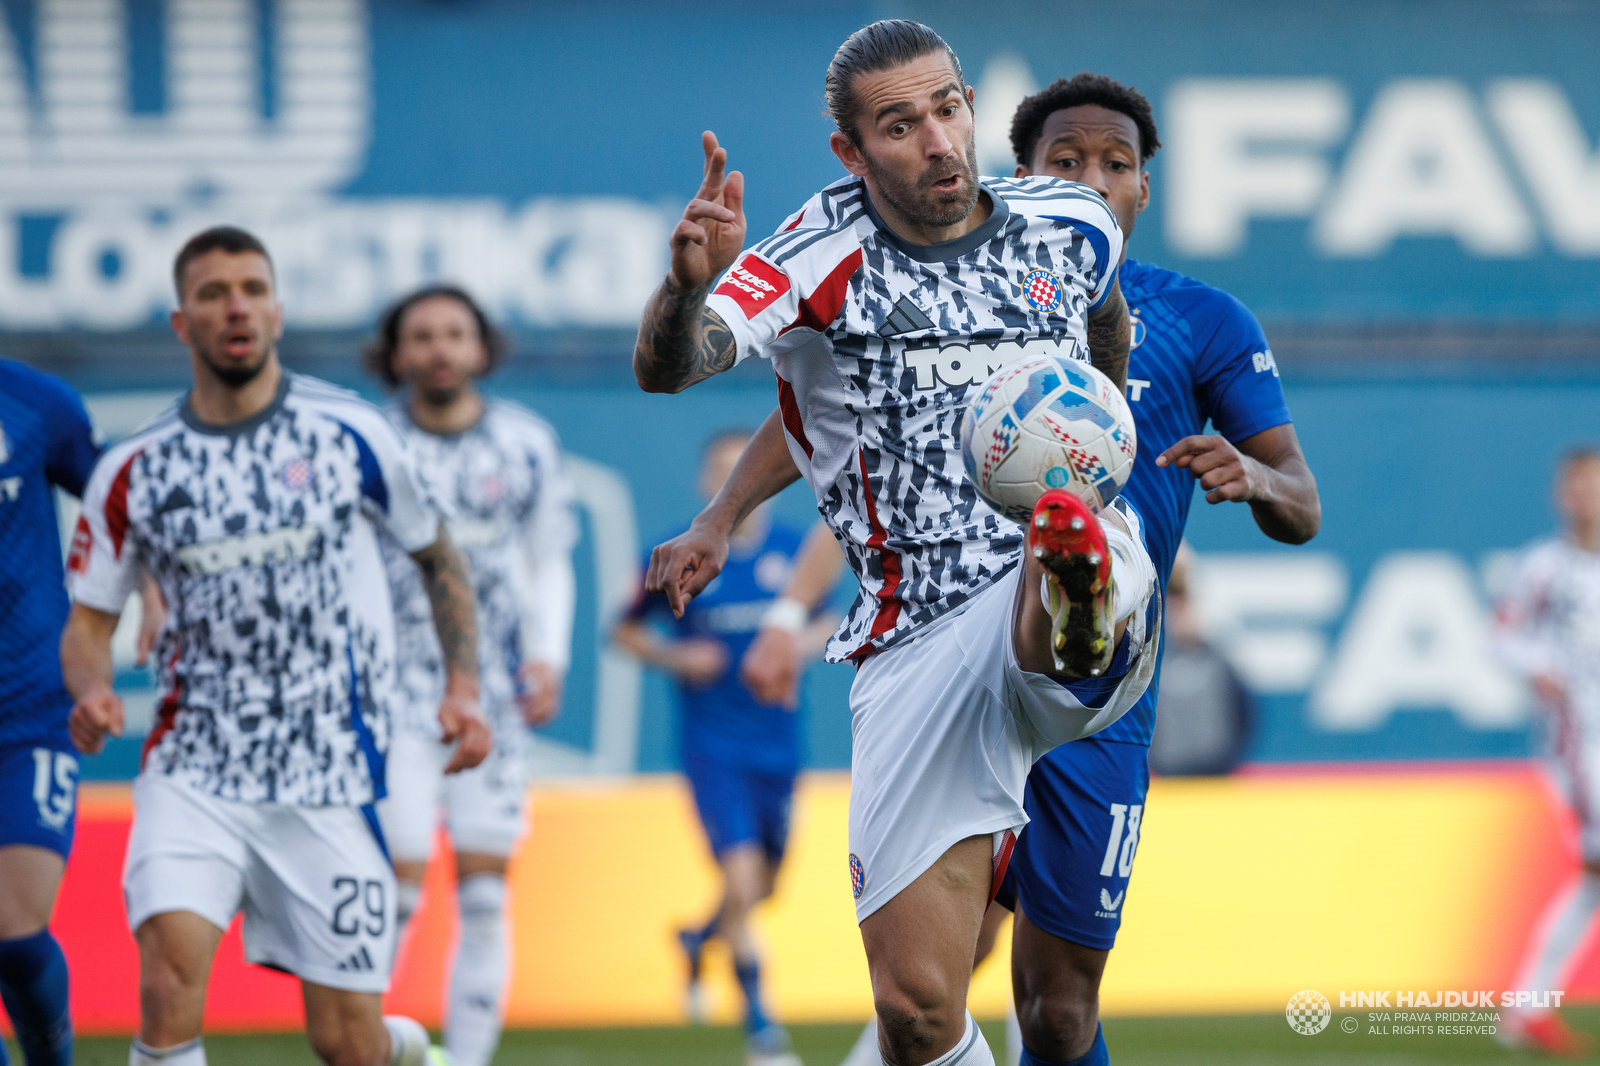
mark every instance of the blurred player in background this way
{"type": "Point", "coordinates": [1204, 713]}
{"type": "Point", "coordinates": [252, 501]}
{"type": "Point", "coordinates": [496, 467]}
{"type": "Point", "coordinates": [45, 442]}
{"type": "Point", "coordinates": [1548, 631]}
{"type": "Point", "coordinates": [740, 754]}
{"type": "Point", "coordinates": [1197, 354]}
{"type": "Point", "coordinates": [958, 689]}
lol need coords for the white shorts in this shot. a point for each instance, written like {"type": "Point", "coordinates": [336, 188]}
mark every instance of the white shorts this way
{"type": "Point", "coordinates": [944, 730]}
{"type": "Point", "coordinates": [316, 889]}
{"type": "Point", "coordinates": [484, 808]}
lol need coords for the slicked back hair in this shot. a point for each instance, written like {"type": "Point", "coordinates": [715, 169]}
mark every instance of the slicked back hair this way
{"type": "Point", "coordinates": [378, 355]}
{"type": "Point", "coordinates": [882, 45]}
{"type": "Point", "coordinates": [230, 239]}
{"type": "Point", "coordinates": [1085, 88]}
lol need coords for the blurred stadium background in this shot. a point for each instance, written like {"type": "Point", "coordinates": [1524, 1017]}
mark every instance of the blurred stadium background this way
{"type": "Point", "coordinates": [1407, 195]}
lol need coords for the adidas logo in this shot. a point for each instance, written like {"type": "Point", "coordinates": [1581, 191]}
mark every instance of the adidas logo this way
{"type": "Point", "coordinates": [906, 317]}
{"type": "Point", "coordinates": [357, 962]}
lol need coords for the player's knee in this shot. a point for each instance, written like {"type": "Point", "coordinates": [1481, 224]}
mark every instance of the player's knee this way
{"type": "Point", "coordinates": [913, 1019]}
{"type": "Point", "coordinates": [340, 1043]}
{"type": "Point", "coordinates": [1058, 1024]}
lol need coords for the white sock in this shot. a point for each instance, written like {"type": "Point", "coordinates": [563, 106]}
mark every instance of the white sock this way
{"type": "Point", "coordinates": [473, 1022]}
{"type": "Point", "coordinates": [1564, 923]}
{"type": "Point", "coordinates": [1013, 1036]}
{"type": "Point", "coordinates": [407, 894]}
{"type": "Point", "coordinates": [1131, 573]}
{"type": "Point", "coordinates": [408, 1041]}
{"type": "Point", "coordinates": [865, 1052]}
{"type": "Point", "coordinates": [971, 1050]}
{"type": "Point", "coordinates": [191, 1053]}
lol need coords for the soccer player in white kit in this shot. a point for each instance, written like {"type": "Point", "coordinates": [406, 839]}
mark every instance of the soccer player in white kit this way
{"type": "Point", "coordinates": [497, 469]}
{"type": "Point", "coordinates": [883, 304]}
{"type": "Point", "coordinates": [1548, 631]}
{"type": "Point", "coordinates": [253, 503]}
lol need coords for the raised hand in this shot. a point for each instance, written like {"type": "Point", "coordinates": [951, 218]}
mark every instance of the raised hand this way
{"type": "Point", "coordinates": [711, 233]}
{"type": "Point", "coordinates": [683, 566]}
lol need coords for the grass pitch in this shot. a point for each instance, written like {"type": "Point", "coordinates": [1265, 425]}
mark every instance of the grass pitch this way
{"type": "Point", "coordinates": [1256, 1040]}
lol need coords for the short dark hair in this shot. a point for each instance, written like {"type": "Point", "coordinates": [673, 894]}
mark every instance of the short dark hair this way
{"type": "Point", "coordinates": [1578, 453]}
{"type": "Point", "coordinates": [727, 435]}
{"type": "Point", "coordinates": [378, 353]}
{"type": "Point", "coordinates": [882, 45]}
{"type": "Point", "coordinates": [1085, 88]}
{"type": "Point", "coordinates": [230, 239]}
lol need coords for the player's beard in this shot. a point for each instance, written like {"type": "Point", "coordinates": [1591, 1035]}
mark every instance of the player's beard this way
{"type": "Point", "coordinates": [917, 202]}
{"type": "Point", "coordinates": [440, 396]}
{"type": "Point", "coordinates": [237, 375]}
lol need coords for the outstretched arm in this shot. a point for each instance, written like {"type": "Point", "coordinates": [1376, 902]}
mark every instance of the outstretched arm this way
{"type": "Point", "coordinates": [683, 566]}
{"type": "Point", "coordinates": [681, 341]}
{"type": "Point", "coordinates": [1110, 335]}
{"type": "Point", "coordinates": [444, 575]}
{"type": "Point", "coordinates": [1268, 471]}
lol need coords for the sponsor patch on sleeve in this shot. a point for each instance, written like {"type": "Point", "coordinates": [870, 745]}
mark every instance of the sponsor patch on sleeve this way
{"type": "Point", "coordinates": [82, 542]}
{"type": "Point", "coordinates": [754, 284]}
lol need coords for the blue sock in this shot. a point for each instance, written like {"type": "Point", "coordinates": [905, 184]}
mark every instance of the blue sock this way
{"type": "Point", "coordinates": [709, 930]}
{"type": "Point", "coordinates": [1097, 1055]}
{"type": "Point", "coordinates": [749, 975]}
{"type": "Point", "coordinates": [33, 986]}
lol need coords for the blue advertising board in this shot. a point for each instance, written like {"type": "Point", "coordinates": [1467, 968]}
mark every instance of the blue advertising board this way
{"type": "Point", "coordinates": [1346, 161]}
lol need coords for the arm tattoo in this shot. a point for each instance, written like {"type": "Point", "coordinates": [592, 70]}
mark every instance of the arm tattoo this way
{"type": "Point", "coordinates": [444, 573]}
{"type": "Point", "coordinates": [681, 341]}
{"type": "Point", "coordinates": [1110, 336]}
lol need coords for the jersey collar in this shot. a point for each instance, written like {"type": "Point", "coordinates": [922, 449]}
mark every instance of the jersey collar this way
{"type": "Point", "coordinates": [943, 253]}
{"type": "Point", "coordinates": [234, 429]}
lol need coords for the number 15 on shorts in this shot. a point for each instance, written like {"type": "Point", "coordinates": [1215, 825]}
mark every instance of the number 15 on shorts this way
{"type": "Point", "coordinates": [1120, 848]}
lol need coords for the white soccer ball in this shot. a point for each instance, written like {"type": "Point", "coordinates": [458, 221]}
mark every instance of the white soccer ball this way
{"type": "Point", "coordinates": [1048, 423]}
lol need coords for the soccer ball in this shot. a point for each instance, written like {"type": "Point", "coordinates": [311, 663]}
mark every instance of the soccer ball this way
{"type": "Point", "coordinates": [1048, 423]}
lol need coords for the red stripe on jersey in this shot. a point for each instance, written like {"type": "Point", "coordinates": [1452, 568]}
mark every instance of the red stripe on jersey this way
{"type": "Point", "coordinates": [117, 506]}
{"type": "Point", "coordinates": [791, 414]}
{"type": "Point", "coordinates": [796, 221]}
{"type": "Point", "coordinates": [165, 713]}
{"type": "Point", "coordinates": [888, 606]}
{"type": "Point", "coordinates": [818, 310]}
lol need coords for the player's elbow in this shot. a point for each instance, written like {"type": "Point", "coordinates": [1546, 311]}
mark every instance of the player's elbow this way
{"type": "Point", "coordinates": [647, 373]}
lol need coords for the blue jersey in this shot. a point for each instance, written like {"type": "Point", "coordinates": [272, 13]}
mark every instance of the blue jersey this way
{"type": "Point", "coordinates": [45, 442]}
{"type": "Point", "coordinates": [1198, 355]}
{"type": "Point", "coordinates": [723, 722]}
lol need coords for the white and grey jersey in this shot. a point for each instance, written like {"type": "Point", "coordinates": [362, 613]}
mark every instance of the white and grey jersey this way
{"type": "Point", "coordinates": [1548, 623]}
{"type": "Point", "coordinates": [508, 508]}
{"type": "Point", "coordinates": [880, 347]}
{"type": "Point", "coordinates": [277, 659]}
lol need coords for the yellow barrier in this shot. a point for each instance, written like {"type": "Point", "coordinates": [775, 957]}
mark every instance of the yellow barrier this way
{"type": "Point", "coordinates": [1246, 891]}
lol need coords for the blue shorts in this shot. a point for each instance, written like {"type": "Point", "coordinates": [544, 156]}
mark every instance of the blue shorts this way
{"type": "Point", "coordinates": [39, 795]}
{"type": "Point", "coordinates": [740, 806]}
{"type": "Point", "coordinates": [1070, 870]}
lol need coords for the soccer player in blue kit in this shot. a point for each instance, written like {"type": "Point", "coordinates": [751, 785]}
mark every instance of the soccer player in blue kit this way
{"type": "Point", "coordinates": [740, 754]}
{"type": "Point", "coordinates": [45, 442]}
{"type": "Point", "coordinates": [1197, 355]}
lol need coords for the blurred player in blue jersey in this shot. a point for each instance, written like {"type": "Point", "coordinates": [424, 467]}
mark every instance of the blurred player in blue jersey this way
{"type": "Point", "coordinates": [45, 442]}
{"type": "Point", "coordinates": [1197, 355]}
{"type": "Point", "coordinates": [740, 754]}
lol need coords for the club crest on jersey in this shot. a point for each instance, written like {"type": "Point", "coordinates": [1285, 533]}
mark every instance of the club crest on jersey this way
{"type": "Point", "coordinates": [858, 876]}
{"type": "Point", "coordinates": [1042, 290]}
{"type": "Point", "coordinates": [493, 489]}
{"type": "Point", "coordinates": [297, 474]}
{"type": "Point", "coordinates": [1138, 328]}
